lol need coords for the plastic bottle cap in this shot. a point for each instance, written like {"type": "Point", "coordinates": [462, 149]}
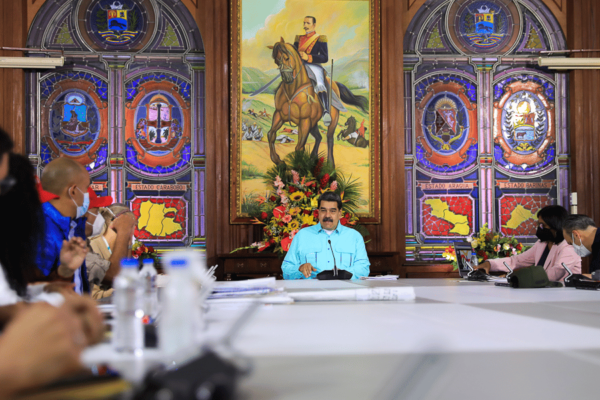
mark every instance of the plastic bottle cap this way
{"type": "Point", "coordinates": [179, 263]}
{"type": "Point", "coordinates": [147, 261]}
{"type": "Point", "coordinates": [129, 263]}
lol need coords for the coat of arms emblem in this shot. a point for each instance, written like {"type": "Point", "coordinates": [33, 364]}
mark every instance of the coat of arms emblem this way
{"type": "Point", "coordinates": [446, 129]}
{"type": "Point", "coordinates": [116, 24]}
{"type": "Point", "coordinates": [159, 130]}
{"type": "Point", "coordinates": [74, 122]}
{"type": "Point", "coordinates": [524, 119]}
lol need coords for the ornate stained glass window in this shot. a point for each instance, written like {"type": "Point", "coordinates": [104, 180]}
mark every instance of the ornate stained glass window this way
{"type": "Point", "coordinates": [129, 105]}
{"type": "Point", "coordinates": [486, 137]}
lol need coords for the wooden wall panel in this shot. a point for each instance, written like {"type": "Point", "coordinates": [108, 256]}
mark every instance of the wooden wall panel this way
{"type": "Point", "coordinates": [13, 33]}
{"type": "Point", "coordinates": [584, 102]}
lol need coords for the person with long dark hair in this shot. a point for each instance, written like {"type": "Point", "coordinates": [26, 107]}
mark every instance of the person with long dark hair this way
{"type": "Point", "coordinates": [22, 212]}
{"type": "Point", "coordinates": [550, 251]}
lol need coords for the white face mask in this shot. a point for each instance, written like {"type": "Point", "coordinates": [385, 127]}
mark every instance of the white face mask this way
{"type": "Point", "coordinates": [97, 225]}
{"type": "Point", "coordinates": [580, 249]}
{"type": "Point", "coordinates": [82, 209]}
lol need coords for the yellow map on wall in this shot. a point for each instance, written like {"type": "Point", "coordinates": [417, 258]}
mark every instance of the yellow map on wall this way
{"type": "Point", "coordinates": [154, 219]}
{"type": "Point", "coordinates": [441, 210]}
{"type": "Point", "coordinates": [519, 215]}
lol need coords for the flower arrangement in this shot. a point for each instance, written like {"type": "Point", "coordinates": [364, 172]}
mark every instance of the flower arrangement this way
{"type": "Point", "coordinates": [486, 245]}
{"type": "Point", "coordinates": [139, 251]}
{"type": "Point", "coordinates": [293, 204]}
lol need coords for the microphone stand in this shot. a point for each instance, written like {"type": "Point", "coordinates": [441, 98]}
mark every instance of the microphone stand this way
{"type": "Point", "coordinates": [336, 273]}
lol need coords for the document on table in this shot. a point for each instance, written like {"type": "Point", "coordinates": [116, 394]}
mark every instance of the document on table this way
{"type": "Point", "coordinates": [370, 294]}
{"type": "Point", "coordinates": [379, 278]}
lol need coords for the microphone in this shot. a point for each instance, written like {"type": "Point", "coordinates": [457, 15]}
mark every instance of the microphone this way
{"type": "Point", "coordinates": [328, 274]}
{"type": "Point", "coordinates": [335, 270]}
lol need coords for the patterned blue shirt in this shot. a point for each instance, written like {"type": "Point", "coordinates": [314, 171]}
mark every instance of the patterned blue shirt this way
{"type": "Point", "coordinates": [311, 245]}
{"type": "Point", "coordinates": [57, 228]}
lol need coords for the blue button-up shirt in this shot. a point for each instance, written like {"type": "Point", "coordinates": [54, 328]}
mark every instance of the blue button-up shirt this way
{"type": "Point", "coordinates": [56, 229]}
{"type": "Point", "coordinates": [310, 245]}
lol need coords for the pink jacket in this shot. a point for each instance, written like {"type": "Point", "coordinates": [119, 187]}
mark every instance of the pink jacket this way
{"type": "Point", "coordinates": [559, 253]}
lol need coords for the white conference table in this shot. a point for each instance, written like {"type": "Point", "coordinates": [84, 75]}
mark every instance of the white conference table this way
{"type": "Point", "coordinates": [457, 340]}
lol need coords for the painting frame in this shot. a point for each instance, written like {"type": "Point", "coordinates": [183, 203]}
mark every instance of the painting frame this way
{"type": "Point", "coordinates": [373, 216]}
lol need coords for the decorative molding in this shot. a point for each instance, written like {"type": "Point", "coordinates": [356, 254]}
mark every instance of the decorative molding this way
{"type": "Point", "coordinates": [559, 3]}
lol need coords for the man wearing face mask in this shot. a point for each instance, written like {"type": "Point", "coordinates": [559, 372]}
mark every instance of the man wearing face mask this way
{"type": "Point", "coordinates": [109, 247]}
{"type": "Point", "coordinates": [61, 253]}
{"type": "Point", "coordinates": [313, 248]}
{"type": "Point", "coordinates": [581, 232]}
{"type": "Point", "coordinates": [550, 251]}
{"type": "Point", "coordinates": [94, 220]}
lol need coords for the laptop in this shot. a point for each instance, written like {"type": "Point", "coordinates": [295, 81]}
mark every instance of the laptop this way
{"type": "Point", "coordinates": [463, 251]}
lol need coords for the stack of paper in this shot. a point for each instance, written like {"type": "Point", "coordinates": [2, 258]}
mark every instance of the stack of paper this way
{"type": "Point", "coordinates": [366, 294]}
{"type": "Point", "coordinates": [379, 278]}
{"type": "Point", "coordinates": [264, 290]}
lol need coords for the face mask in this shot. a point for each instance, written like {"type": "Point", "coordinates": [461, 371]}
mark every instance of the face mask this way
{"type": "Point", "coordinates": [82, 209]}
{"type": "Point", "coordinates": [545, 235]}
{"type": "Point", "coordinates": [6, 184]}
{"type": "Point", "coordinates": [97, 225]}
{"type": "Point", "coordinates": [580, 249]}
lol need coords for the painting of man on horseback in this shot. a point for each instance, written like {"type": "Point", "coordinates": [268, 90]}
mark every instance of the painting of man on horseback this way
{"type": "Point", "coordinates": [296, 102]}
{"type": "Point", "coordinates": [288, 84]}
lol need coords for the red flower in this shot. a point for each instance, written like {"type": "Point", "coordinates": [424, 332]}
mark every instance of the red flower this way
{"type": "Point", "coordinates": [318, 167]}
{"type": "Point", "coordinates": [265, 229]}
{"type": "Point", "coordinates": [306, 212]}
{"type": "Point", "coordinates": [285, 234]}
{"type": "Point", "coordinates": [325, 180]}
{"type": "Point", "coordinates": [150, 249]}
{"type": "Point", "coordinates": [303, 225]}
{"type": "Point", "coordinates": [281, 223]}
{"type": "Point", "coordinates": [264, 247]}
{"type": "Point", "coordinates": [344, 221]}
{"type": "Point", "coordinates": [316, 214]}
{"type": "Point", "coordinates": [308, 194]}
{"type": "Point", "coordinates": [347, 215]}
{"type": "Point", "coordinates": [273, 198]}
{"type": "Point", "coordinates": [286, 243]}
{"type": "Point", "coordinates": [279, 211]}
{"type": "Point", "coordinates": [292, 189]}
{"type": "Point", "coordinates": [519, 247]}
{"type": "Point", "coordinates": [264, 215]}
{"type": "Point", "coordinates": [485, 256]}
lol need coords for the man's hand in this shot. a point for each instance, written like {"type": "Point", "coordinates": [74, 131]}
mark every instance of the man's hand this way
{"type": "Point", "coordinates": [486, 266]}
{"type": "Point", "coordinates": [85, 309]}
{"type": "Point", "coordinates": [40, 345]}
{"type": "Point", "coordinates": [72, 256]}
{"type": "Point", "coordinates": [307, 270]}
{"type": "Point", "coordinates": [124, 224]}
{"type": "Point", "coordinates": [304, 56]}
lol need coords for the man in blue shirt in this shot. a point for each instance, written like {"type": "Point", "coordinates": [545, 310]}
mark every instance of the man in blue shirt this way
{"type": "Point", "coordinates": [61, 253]}
{"type": "Point", "coordinates": [311, 252]}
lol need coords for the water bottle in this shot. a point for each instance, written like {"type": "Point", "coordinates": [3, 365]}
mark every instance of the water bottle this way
{"type": "Point", "coordinates": [176, 327]}
{"type": "Point", "coordinates": [148, 277]}
{"type": "Point", "coordinates": [128, 329]}
{"type": "Point", "coordinates": [474, 261]}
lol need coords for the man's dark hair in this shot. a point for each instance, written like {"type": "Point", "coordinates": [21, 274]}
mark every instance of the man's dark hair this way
{"type": "Point", "coordinates": [6, 143]}
{"type": "Point", "coordinates": [554, 217]}
{"type": "Point", "coordinates": [331, 196]}
{"type": "Point", "coordinates": [313, 18]}
{"type": "Point", "coordinates": [578, 222]}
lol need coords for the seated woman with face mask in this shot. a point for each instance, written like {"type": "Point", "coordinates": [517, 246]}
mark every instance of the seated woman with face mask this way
{"type": "Point", "coordinates": [550, 251]}
{"type": "Point", "coordinates": [108, 247]}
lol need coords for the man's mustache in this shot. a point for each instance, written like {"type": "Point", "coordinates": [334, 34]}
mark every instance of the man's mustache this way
{"type": "Point", "coordinates": [327, 219]}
